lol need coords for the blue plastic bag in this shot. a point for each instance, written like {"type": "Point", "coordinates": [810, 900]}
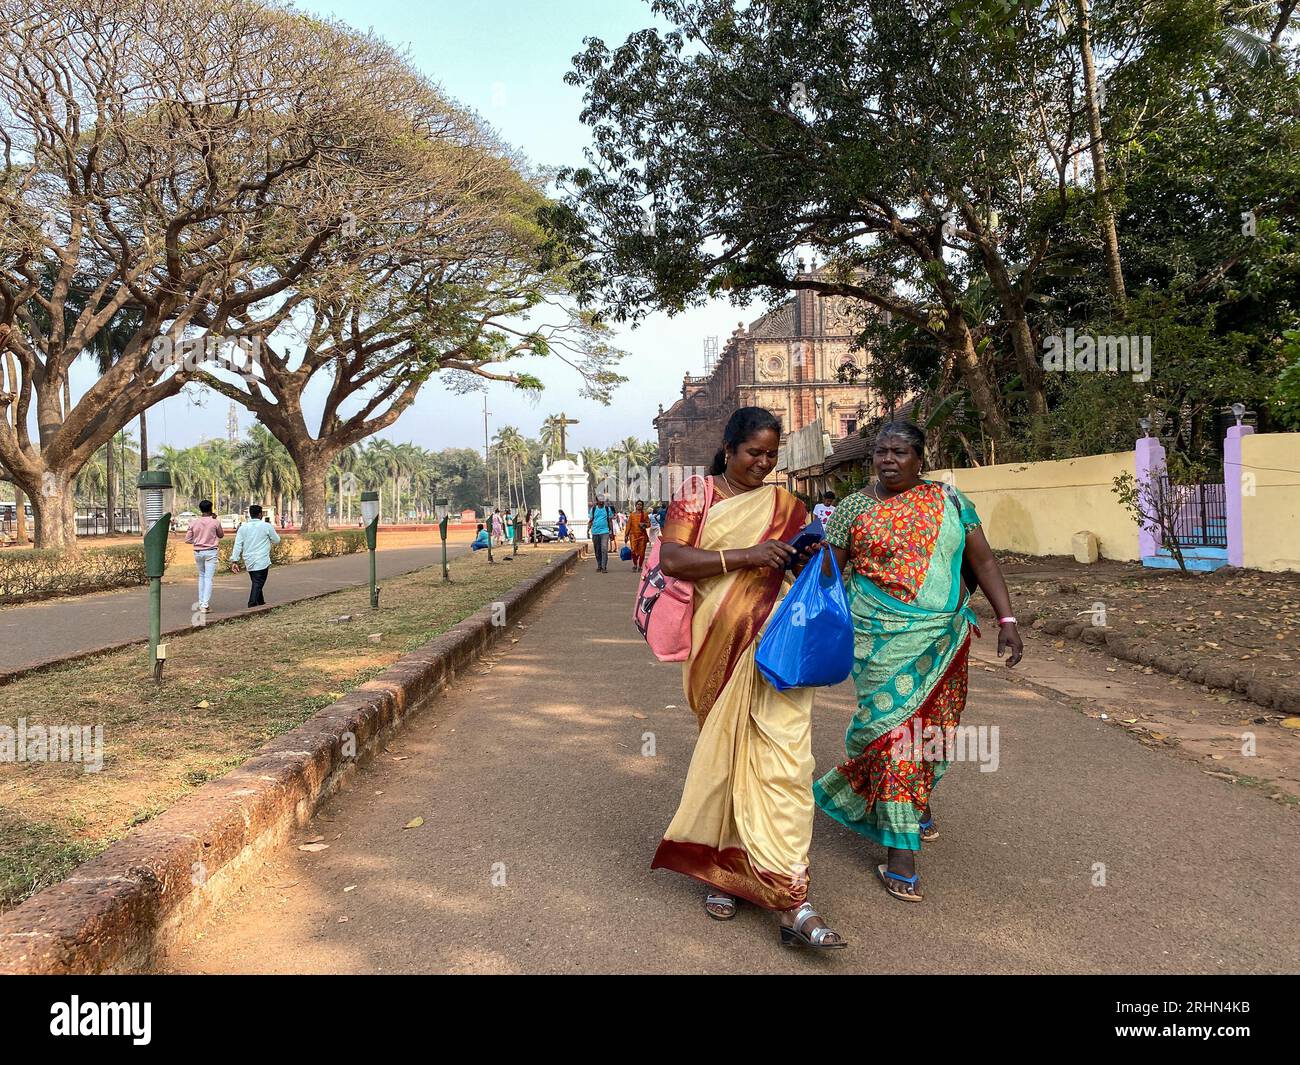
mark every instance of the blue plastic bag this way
{"type": "Point", "coordinates": [625, 553]}
{"type": "Point", "coordinates": [809, 641]}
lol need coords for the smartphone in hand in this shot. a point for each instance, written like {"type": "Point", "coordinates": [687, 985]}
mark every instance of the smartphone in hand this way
{"type": "Point", "coordinates": [805, 539]}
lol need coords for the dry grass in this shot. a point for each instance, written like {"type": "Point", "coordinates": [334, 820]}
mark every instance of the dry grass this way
{"type": "Point", "coordinates": [259, 677]}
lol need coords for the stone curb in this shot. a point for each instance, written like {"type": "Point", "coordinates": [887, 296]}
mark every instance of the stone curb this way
{"type": "Point", "coordinates": [1269, 692]}
{"type": "Point", "coordinates": [119, 911]}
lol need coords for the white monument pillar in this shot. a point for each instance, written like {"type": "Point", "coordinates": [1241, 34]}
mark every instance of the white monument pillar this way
{"type": "Point", "coordinates": [565, 487]}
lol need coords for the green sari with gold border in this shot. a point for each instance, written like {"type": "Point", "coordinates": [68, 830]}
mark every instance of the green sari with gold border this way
{"type": "Point", "coordinates": [912, 623]}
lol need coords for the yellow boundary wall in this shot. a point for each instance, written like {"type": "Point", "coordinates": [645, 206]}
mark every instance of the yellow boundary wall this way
{"type": "Point", "coordinates": [1035, 508]}
{"type": "Point", "coordinates": [1270, 501]}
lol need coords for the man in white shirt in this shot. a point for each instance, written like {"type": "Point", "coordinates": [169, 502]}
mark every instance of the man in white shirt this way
{"type": "Point", "coordinates": [822, 511]}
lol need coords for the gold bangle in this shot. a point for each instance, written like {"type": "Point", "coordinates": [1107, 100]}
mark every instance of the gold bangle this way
{"type": "Point", "coordinates": [724, 561]}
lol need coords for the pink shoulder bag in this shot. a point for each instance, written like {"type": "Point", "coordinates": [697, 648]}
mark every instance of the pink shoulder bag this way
{"type": "Point", "coordinates": [665, 605]}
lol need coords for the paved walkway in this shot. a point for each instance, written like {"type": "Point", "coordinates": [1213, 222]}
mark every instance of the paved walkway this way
{"type": "Point", "coordinates": [533, 773]}
{"type": "Point", "coordinates": [44, 632]}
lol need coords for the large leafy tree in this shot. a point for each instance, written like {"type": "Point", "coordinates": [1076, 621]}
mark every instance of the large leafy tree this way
{"type": "Point", "coordinates": [869, 134]}
{"type": "Point", "coordinates": [189, 159]}
{"type": "Point", "coordinates": [944, 159]}
{"type": "Point", "coordinates": [1203, 118]}
{"type": "Point", "coordinates": [451, 275]}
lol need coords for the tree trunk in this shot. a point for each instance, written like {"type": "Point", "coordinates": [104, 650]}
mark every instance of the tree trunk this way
{"type": "Point", "coordinates": [56, 528]}
{"type": "Point", "coordinates": [1105, 210]}
{"type": "Point", "coordinates": [313, 471]}
{"type": "Point", "coordinates": [970, 366]}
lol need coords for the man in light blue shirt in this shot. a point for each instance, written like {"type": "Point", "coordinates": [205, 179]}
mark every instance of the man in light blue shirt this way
{"type": "Point", "coordinates": [253, 545]}
{"type": "Point", "coordinates": [600, 529]}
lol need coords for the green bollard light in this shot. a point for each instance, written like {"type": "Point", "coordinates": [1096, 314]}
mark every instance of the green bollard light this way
{"type": "Point", "coordinates": [370, 515]}
{"type": "Point", "coordinates": [154, 488]}
{"type": "Point", "coordinates": [442, 532]}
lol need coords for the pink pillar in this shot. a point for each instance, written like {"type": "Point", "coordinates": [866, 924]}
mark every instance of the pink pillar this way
{"type": "Point", "coordinates": [1232, 490]}
{"type": "Point", "coordinates": [1149, 462]}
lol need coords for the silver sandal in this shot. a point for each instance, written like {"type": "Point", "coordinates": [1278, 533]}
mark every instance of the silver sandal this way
{"type": "Point", "coordinates": [720, 900]}
{"type": "Point", "coordinates": [790, 935]}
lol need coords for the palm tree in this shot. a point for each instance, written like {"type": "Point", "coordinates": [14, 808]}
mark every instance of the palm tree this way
{"type": "Point", "coordinates": [598, 464]}
{"type": "Point", "coordinates": [522, 454]}
{"type": "Point", "coordinates": [267, 467]}
{"type": "Point", "coordinates": [508, 444]}
{"type": "Point", "coordinates": [408, 462]}
{"type": "Point", "coordinates": [381, 464]}
{"type": "Point", "coordinates": [424, 482]}
{"type": "Point", "coordinates": [92, 479]}
{"type": "Point", "coordinates": [182, 464]}
{"type": "Point", "coordinates": [551, 429]}
{"type": "Point", "coordinates": [346, 461]}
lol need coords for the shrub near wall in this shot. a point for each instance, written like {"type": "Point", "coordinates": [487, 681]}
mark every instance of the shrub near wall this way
{"type": "Point", "coordinates": [301, 547]}
{"type": "Point", "coordinates": [27, 574]}
{"type": "Point", "coordinates": [335, 542]}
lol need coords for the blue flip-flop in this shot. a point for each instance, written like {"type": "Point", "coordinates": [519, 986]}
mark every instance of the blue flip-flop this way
{"type": "Point", "coordinates": [883, 872]}
{"type": "Point", "coordinates": [925, 827]}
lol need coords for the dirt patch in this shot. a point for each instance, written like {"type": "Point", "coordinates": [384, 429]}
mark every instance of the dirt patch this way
{"type": "Point", "coordinates": [1235, 630]}
{"type": "Point", "coordinates": [1226, 734]}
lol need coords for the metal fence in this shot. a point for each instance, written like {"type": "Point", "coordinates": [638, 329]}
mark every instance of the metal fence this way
{"type": "Point", "coordinates": [1200, 513]}
{"type": "Point", "coordinates": [91, 522]}
{"type": "Point", "coordinates": [94, 521]}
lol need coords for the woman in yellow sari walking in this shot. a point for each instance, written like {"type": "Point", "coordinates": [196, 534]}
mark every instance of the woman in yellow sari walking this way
{"type": "Point", "coordinates": [744, 824]}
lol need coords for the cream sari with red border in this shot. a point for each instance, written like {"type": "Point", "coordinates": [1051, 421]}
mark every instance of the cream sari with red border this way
{"type": "Point", "coordinates": [744, 824]}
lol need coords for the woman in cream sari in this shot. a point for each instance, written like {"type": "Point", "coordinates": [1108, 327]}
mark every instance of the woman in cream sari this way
{"type": "Point", "coordinates": [745, 820]}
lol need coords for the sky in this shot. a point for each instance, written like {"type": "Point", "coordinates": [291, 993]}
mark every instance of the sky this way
{"type": "Point", "coordinates": [506, 60]}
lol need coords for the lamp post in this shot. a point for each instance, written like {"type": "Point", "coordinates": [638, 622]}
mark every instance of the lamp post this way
{"type": "Point", "coordinates": [155, 492]}
{"type": "Point", "coordinates": [370, 515]}
{"type": "Point", "coordinates": [442, 532]}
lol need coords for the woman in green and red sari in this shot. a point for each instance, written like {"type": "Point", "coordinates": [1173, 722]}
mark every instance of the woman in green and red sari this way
{"type": "Point", "coordinates": [904, 544]}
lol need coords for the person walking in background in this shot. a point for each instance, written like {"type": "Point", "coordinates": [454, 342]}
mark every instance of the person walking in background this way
{"type": "Point", "coordinates": [253, 545]}
{"type": "Point", "coordinates": [638, 534]}
{"type": "Point", "coordinates": [518, 530]}
{"type": "Point", "coordinates": [823, 510]}
{"type": "Point", "coordinates": [562, 526]}
{"type": "Point", "coordinates": [203, 533]}
{"type": "Point", "coordinates": [600, 527]}
{"type": "Point", "coordinates": [498, 527]}
{"type": "Point", "coordinates": [528, 527]}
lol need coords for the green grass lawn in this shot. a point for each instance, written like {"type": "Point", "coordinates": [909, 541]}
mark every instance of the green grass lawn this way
{"type": "Point", "coordinates": [227, 690]}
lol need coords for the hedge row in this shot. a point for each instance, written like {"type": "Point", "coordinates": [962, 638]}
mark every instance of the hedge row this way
{"type": "Point", "coordinates": [26, 573]}
{"type": "Point", "coordinates": [301, 547]}
{"type": "Point", "coordinates": [335, 542]}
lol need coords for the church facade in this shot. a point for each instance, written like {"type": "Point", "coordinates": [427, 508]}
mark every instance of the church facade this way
{"type": "Point", "coordinates": [796, 361]}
